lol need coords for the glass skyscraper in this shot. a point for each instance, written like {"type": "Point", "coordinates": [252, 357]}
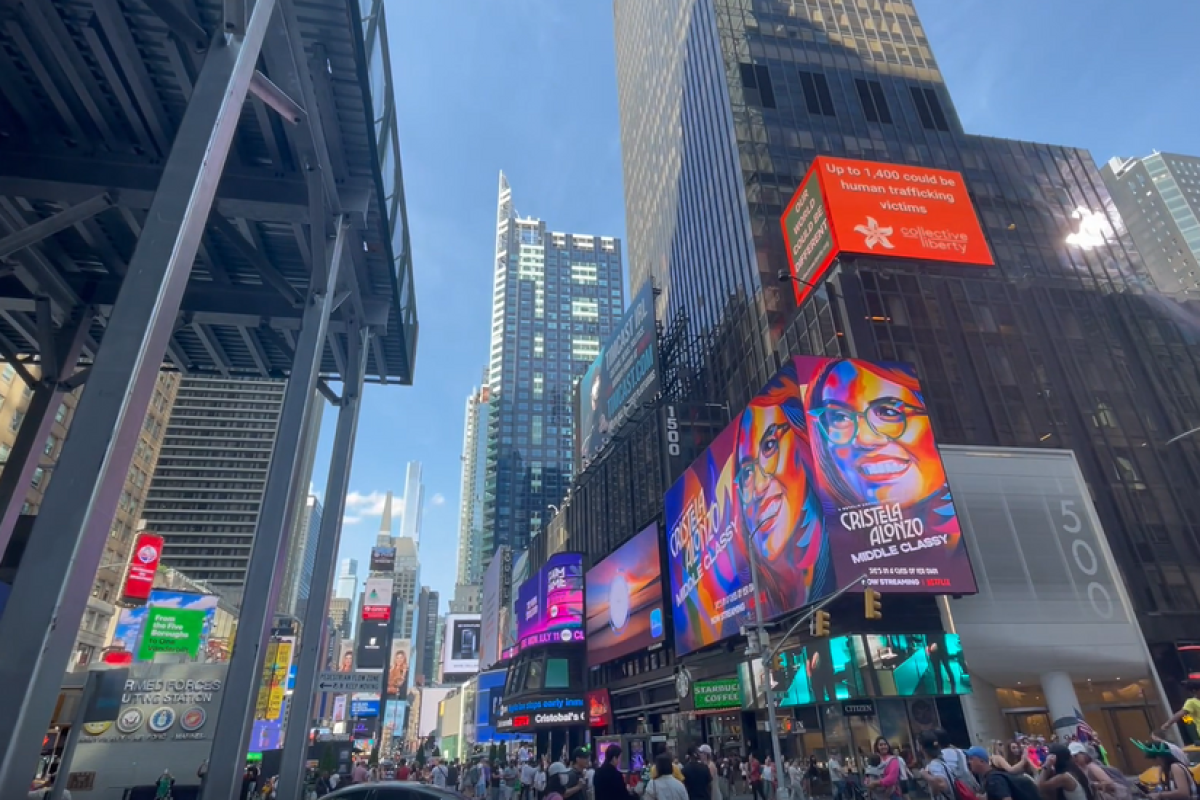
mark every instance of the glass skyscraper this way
{"type": "Point", "coordinates": [724, 105]}
{"type": "Point", "coordinates": [556, 299]}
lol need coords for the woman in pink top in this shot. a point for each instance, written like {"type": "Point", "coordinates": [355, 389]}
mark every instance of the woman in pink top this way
{"type": "Point", "coordinates": [887, 786]}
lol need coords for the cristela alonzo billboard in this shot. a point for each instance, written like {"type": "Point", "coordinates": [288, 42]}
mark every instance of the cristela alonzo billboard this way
{"type": "Point", "coordinates": [832, 473]}
{"type": "Point", "coordinates": [621, 379]}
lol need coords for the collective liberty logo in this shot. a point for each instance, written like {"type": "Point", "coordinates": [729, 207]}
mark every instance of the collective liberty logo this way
{"type": "Point", "coordinates": [161, 720]}
{"type": "Point", "coordinates": [130, 720]}
{"type": "Point", "coordinates": [875, 234]}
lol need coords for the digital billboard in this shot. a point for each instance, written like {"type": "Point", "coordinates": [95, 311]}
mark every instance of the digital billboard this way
{"type": "Point", "coordinates": [397, 685]}
{"type": "Point", "coordinates": [518, 575]}
{"type": "Point", "coordinates": [624, 600]}
{"type": "Point", "coordinates": [623, 377]}
{"type": "Point", "coordinates": [129, 632]}
{"type": "Point", "coordinates": [460, 654]}
{"type": "Point", "coordinates": [143, 564]}
{"type": "Point", "coordinates": [599, 706]}
{"type": "Point", "coordinates": [495, 595]}
{"type": "Point", "coordinates": [371, 652]}
{"type": "Point", "coordinates": [549, 606]}
{"type": "Point", "coordinates": [873, 665]}
{"type": "Point", "coordinates": [383, 559]}
{"type": "Point", "coordinates": [832, 474]}
{"type": "Point", "coordinates": [377, 599]}
{"type": "Point", "coordinates": [870, 208]}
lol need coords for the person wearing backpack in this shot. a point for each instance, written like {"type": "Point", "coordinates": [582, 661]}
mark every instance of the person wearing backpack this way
{"type": "Point", "coordinates": [944, 779]}
{"type": "Point", "coordinates": [1177, 782]}
{"type": "Point", "coordinates": [999, 784]}
{"type": "Point", "coordinates": [1061, 778]}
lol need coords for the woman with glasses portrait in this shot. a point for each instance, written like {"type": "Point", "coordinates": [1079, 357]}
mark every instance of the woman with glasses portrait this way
{"type": "Point", "coordinates": [876, 454]}
{"type": "Point", "coordinates": [778, 511]}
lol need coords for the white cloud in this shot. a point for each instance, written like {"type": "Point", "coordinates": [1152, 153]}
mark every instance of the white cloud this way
{"type": "Point", "coordinates": [360, 505]}
{"type": "Point", "coordinates": [438, 499]}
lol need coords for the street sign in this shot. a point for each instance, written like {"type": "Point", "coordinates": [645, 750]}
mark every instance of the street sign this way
{"type": "Point", "coordinates": [366, 682]}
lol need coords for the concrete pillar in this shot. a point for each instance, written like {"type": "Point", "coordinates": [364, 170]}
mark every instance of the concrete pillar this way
{"type": "Point", "coordinates": [985, 720]}
{"type": "Point", "coordinates": [1062, 702]}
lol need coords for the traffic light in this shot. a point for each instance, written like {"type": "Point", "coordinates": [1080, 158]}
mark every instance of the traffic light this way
{"type": "Point", "coordinates": [819, 624]}
{"type": "Point", "coordinates": [873, 604]}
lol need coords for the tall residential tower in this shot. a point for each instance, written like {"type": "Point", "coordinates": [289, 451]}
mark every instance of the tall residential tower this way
{"type": "Point", "coordinates": [474, 478]}
{"type": "Point", "coordinates": [556, 298]}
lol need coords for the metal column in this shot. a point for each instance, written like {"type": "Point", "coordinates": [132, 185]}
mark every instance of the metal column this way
{"type": "Point", "coordinates": [264, 575]}
{"type": "Point", "coordinates": [53, 585]}
{"type": "Point", "coordinates": [316, 615]}
{"type": "Point", "coordinates": [39, 419]}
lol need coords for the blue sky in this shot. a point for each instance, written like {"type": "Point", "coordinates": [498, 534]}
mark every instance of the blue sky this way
{"type": "Point", "coordinates": [529, 87]}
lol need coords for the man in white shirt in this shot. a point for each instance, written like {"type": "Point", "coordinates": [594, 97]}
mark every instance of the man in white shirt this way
{"type": "Point", "coordinates": [528, 774]}
{"type": "Point", "coordinates": [438, 775]}
{"type": "Point", "coordinates": [837, 776]}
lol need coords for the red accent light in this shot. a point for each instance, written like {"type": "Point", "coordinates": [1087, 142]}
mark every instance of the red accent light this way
{"type": "Point", "coordinates": [520, 722]}
{"type": "Point", "coordinates": [377, 613]}
{"type": "Point", "coordinates": [143, 563]}
{"type": "Point", "coordinates": [117, 657]}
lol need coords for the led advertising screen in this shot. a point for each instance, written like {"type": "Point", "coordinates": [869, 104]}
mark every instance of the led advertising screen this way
{"type": "Point", "coordinates": [549, 605]}
{"type": "Point", "coordinates": [383, 559]}
{"type": "Point", "coordinates": [869, 208]}
{"type": "Point", "coordinates": [620, 380]}
{"type": "Point", "coordinates": [624, 600]}
{"type": "Point", "coordinates": [397, 686]}
{"type": "Point", "coordinates": [832, 473]}
{"type": "Point", "coordinates": [371, 652]}
{"type": "Point", "coordinates": [183, 623]}
{"type": "Point", "coordinates": [461, 644]}
{"type": "Point", "coordinates": [873, 665]}
{"type": "Point", "coordinates": [377, 599]}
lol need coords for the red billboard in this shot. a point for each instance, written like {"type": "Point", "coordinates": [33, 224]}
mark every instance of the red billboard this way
{"type": "Point", "coordinates": [143, 563]}
{"type": "Point", "coordinates": [869, 208]}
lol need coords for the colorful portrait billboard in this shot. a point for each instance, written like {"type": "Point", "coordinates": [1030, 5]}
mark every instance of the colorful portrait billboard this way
{"type": "Point", "coordinates": [397, 686]}
{"type": "Point", "coordinates": [620, 380]}
{"type": "Point", "coordinates": [624, 600]}
{"type": "Point", "coordinates": [549, 606]}
{"type": "Point", "coordinates": [869, 208]}
{"type": "Point", "coordinates": [832, 473]}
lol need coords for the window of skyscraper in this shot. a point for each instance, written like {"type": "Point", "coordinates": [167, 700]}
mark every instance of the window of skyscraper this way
{"type": "Point", "coordinates": [756, 77]}
{"type": "Point", "coordinates": [929, 109]}
{"type": "Point", "coordinates": [874, 103]}
{"type": "Point", "coordinates": [816, 93]}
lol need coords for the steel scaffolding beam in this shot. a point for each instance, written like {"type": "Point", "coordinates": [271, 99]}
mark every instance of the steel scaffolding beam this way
{"type": "Point", "coordinates": [265, 572]}
{"type": "Point", "coordinates": [316, 615]}
{"type": "Point", "coordinates": [51, 591]}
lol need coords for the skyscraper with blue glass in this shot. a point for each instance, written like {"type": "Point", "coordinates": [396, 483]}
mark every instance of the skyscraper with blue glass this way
{"type": "Point", "coordinates": [724, 106]}
{"type": "Point", "coordinates": [556, 299]}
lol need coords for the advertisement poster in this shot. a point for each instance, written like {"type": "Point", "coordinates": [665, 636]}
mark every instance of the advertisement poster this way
{"type": "Point", "coordinates": [461, 649]}
{"type": "Point", "coordinates": [620, 380]}
{"type": "Point", "coordinates": [275, 674]}
{"type": "Point", "coordinates": [398, 670]}
{"type": "Point", "coordinates": [171, 630]}
{"type": "Point", "coordinates": [127, 634]}
{"type": "Point", "coordinates": [550, 604]}
{"type": "Point", "coordinates": [624, 600]}
{"type": "Point", "coordinates": [345, 656]}
{"type": "Point", "coordinates": [377, 599]}
{"type": "Point", "coordinates": [871, 208]}
{"type": "Point", "coordinates": [361, 708]}
{"type": "Point", "coordinates": [372, 638]}
{"type": "Point", "coordinates": [832, 473]}
{"type": "Point", "coordinates": [267, 734]}
{"type": "Point", "coordinates": [143, 564]}
{"type": "Point", "coordinates": [383, 559]}
{"type": "Point", "coordinates": [599, 706]}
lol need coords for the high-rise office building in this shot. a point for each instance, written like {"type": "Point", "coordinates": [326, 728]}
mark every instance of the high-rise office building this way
{"type": "Point", "coordinates": [208, 487]}
{"type": "Point", "coordinates": [468, 598]}
{"type": "Point", "coordinates": [471, 486]}
{"type": "Point", "coordinates": [1159, 200]}
{"type": "Point", "coordinates": [414, 500]}
{"type": "Point", "coordinates": [406, 587]}
{"type": "Point", "coordinates": [347, 580]}
{"type": "Point", "coordinates": [424, 654]}
{"type": "Point", "coordinates": [556, 298]}
{"type": "Point", "coordinates": [723, 111]}
{"type": "Point", "coordinates": [384, 537]}
{"type": "Point", "coordinates": [342, 626]}
{"type": "Point", "coordinates": [302, 560]}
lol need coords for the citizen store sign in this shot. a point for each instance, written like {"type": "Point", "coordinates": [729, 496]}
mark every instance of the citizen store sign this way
{"type": "Point", "coordinates": [542, 712]}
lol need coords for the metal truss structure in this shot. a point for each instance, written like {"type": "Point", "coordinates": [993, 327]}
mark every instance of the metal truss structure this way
{"type": "Point", "coordinates": [200, 185]}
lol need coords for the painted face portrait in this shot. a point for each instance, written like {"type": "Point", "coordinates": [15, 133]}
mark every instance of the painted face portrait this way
{"type": "Point", "coordinates": [779, 511]}
{"type": "Point", "coordinates": [873, 436]}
